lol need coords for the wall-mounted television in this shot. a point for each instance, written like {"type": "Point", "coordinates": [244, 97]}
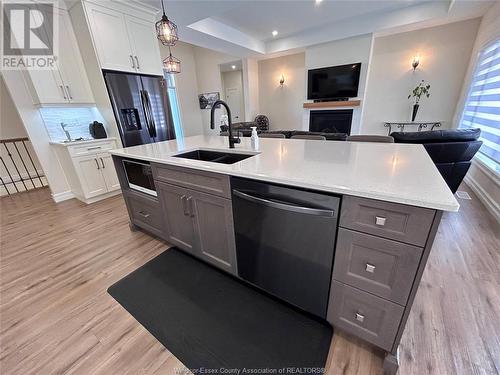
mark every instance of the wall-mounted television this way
{"type": "Point", "coordinates": [333, 82]}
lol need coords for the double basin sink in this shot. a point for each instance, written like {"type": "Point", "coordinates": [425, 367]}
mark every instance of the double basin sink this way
{"type": "Point", "coordinates": [214, 156]}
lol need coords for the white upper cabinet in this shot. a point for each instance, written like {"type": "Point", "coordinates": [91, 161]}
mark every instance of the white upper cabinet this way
{"type": "Point", "coordinates": [145, 46]}
{"type": "Point", "coordinates": [123, 42]}
{"type": "Point", "coordinates": [67, 82]}
{"type": "Point", "coordinates": [71, 66]}
{"type": "Point", "coordinates": [110, 35]}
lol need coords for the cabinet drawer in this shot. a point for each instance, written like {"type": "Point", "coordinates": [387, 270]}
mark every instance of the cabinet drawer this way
{"type": "Point", "coordinates": [145, 212]}
{"type": "Point", "coordinates": [212, 183]}
{"type": "Point", "coordinates": [91, 148]}
{"type": "Point", "coordinates": [391, 220]}
{"type": "Point", "coordinates": [371, 318]}
{"type": "Point", "coordinates": [376, 265]}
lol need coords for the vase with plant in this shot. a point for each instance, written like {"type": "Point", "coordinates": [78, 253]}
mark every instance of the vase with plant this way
{"type": "Point", "coordinates": [422, 89]}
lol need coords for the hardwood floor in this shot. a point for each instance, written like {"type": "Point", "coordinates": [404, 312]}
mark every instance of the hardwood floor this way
{"type": "Point", "coordinates": [58, 260]}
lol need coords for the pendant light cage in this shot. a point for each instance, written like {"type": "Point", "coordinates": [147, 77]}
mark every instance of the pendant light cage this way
{"type": "Point", "coordinates": [166, 30]}
{"type": "Point", "coordinates": [172, 64]}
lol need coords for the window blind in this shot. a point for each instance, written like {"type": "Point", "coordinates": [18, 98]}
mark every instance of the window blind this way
{"type": "Point", "coordinates": [482, 107]}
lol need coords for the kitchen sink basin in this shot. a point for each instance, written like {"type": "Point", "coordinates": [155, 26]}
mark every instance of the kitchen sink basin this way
{"type": "Point", "coordinates": [214, 156]}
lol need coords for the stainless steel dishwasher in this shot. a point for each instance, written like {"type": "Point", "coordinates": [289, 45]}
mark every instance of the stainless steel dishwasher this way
{"type": "Point", "coordinates": [285, 241]}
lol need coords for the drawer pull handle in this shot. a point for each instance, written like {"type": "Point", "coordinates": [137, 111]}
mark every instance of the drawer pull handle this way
{"type": "Point", "coordinates": [144, 214]}
{"type": "Point", "coordinates": [379, 220]}
{"type": "Point", "coordinates": [93, 148]}
{"type": "Point", "coordinates": [360, 318]}
{"type": "Point", "coordinates": [370, 268]}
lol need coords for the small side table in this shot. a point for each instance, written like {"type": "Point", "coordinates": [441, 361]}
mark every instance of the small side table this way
{"type": "Point", "coordinates": [420, 125]}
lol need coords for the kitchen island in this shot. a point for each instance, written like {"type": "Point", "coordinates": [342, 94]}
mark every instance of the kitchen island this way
{"type": "Point", "coordinates": [382, 203]}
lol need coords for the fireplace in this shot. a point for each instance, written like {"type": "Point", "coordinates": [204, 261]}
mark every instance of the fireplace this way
{"type": "Point", "coordinates": [331, 121]}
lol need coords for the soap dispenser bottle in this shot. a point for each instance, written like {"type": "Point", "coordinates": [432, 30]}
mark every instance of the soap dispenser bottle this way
{"type": "Point", "coordinates": [254, 139]}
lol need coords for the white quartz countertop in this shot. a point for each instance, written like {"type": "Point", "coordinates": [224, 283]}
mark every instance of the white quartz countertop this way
{"type": "Point", "coordinates": [400, 173]}
{"type": "Point", "coordinates": [82, 142]}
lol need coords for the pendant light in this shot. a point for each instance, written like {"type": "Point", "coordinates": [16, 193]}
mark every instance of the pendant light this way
{"type": "Point", "coordinates": [166, 30]}
{"type": "Point", "coordinates": [172, 64]}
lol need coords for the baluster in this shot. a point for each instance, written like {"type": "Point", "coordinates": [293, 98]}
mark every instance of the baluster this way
{"type": "Point", "coordinates": [32, 163]}
{"type": "Point", "coordinates": [15, 166]}
{"type": "Point", "coordinates": [24, 165]}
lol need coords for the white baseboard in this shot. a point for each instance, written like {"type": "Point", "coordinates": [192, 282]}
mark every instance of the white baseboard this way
{"type": "Point", "coordinates": [484, 197]}
{"type": "Point", "coordinates": [64, 196]}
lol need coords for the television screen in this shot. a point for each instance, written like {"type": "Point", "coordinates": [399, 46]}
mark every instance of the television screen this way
{"type": "Point", "coordinates": [333, 82]}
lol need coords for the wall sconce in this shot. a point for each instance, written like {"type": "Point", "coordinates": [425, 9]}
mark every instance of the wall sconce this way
{"type": "Point", "coordinates": [282, 80]}
{"type": "Point", "coordinates": [416, 61]}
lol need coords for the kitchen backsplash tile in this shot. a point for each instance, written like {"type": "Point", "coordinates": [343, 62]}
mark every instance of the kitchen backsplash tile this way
{"type": "Point", "coordinates": [77, 120]}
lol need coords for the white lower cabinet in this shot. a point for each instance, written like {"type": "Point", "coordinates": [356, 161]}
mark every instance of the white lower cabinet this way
{"type": "Point", "coordinates": [89, 168]}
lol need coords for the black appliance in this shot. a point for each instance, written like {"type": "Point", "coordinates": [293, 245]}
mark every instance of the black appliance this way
{"type": "Point", "coordinates": [97, 131]}
{"type": "Point", "coordinates": [333, 82]}
{"type": "Point", "coordinates": [141, 107]}
{"type": "Point", "coordinates": [285, 241]}
{"type": "Point", "coordinates": [139, 176]}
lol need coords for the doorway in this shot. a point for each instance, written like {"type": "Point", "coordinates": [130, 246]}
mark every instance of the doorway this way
{"type": "Point", "coordinates": [232, 89]}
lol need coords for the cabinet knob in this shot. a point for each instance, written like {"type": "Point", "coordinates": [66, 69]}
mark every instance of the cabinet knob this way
{"type": "Point", "coordinates": [379, 220]}
{"type": "Point", "coordinates": [360, 317]}
{"type": "Point", "coordinates": [369, 268]}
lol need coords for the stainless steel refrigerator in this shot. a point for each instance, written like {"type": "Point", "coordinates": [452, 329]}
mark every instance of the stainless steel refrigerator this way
{"type": "Point", "coordinates": [141, 107]}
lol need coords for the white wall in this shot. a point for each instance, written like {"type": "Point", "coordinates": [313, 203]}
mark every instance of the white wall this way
{"type": "Point", "coordinates": [234, 79]}
{"type": "Point", "coordinates": [251, 88]}
{"type": "Point", "coordinates": [340, 52]}
{"type": "Point", "coordinates": [11, 125]}
{"type": "Point", "coordinates": [445, 52]}
{"type": "Point", "coordinates": [209, 80]}
{"type": "Point", "coordinates": [283, 105]}
{"type": "Point", "coordinates": [187, 88]}
{"type": "Point", "coordinates": [484, 182]}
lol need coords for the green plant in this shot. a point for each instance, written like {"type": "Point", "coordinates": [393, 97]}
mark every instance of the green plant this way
{"type": "Point", "coordinates": [421, 89]}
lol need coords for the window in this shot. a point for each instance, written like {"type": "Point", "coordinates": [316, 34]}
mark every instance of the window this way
{"type": "Point", "coordinates": [174, 105]}
{"type": "Point", "coordinates": [482, 107]}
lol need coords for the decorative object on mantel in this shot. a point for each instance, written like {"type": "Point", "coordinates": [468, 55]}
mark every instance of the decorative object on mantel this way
{"type": "Point", "coordinates": [421, 125]}
{"type": "Point", "coordinates": [166, 32]}
{"type": "Point", "coordinates": [417, 92]}
{"type": "Point", "coordinates": [208, 99]}
{"type": "Point", "coordinates": [348, 103]}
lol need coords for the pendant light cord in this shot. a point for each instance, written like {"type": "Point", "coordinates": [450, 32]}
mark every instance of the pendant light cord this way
{"type": "Point", "coordinates": [163, 7]}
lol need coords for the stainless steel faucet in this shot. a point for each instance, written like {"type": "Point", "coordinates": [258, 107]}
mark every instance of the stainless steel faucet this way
{"type": "Point", "coordinates": [68, 136]}
{"type": "Point", "coordinates": [232, 140]}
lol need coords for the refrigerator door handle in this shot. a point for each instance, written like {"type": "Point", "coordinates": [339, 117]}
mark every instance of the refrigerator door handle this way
{"type": "Point", "coordinates": [145, 109]}
{"type": "Point", "coordinates": [152, 128]}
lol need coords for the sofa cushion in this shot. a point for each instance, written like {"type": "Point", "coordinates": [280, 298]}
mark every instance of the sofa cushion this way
{"type": "Point", "coordinates": [437, 136]}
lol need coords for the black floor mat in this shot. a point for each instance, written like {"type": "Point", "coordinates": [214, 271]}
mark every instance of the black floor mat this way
{"type": "Point", "coordinates": [210, 320]}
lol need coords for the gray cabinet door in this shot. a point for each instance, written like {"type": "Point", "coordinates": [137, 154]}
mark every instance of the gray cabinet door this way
{"type": "Point", "coordinates": [383, 267]}
{"type": "Point", "coordinates": [179, 222]}
{"type": "Point", "coordinates": [145, 212]}
{"type": "Point", "coordinates": [371, 318]}
{"type": "Point", "coordinates": [214, 225]}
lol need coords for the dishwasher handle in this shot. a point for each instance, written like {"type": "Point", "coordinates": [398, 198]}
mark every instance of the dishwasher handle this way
{"type": "Point", "coordinates": [284, 206]}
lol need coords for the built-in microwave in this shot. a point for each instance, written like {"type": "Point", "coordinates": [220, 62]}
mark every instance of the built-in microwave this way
{"type": "Point", "coordinates": [140, 176]}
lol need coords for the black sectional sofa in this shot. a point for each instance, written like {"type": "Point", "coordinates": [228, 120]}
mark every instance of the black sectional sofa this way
{"type": "Point", "coordinates": [451, 150]}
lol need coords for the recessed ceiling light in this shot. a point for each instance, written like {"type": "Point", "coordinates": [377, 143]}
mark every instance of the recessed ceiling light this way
{"type": "Point", "coordinates": [318, 1]}
{"type": "Point", "coordinates": [233, 66]}
{"type": "Point", "coordinates": [275, 32]}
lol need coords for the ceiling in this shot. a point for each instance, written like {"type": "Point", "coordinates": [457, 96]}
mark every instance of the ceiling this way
{"type": "Point", "coordinates": [244, 27]}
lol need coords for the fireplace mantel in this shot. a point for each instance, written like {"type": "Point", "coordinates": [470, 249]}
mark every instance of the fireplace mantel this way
{"type": "Point", "coordinates": [348, 103]}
